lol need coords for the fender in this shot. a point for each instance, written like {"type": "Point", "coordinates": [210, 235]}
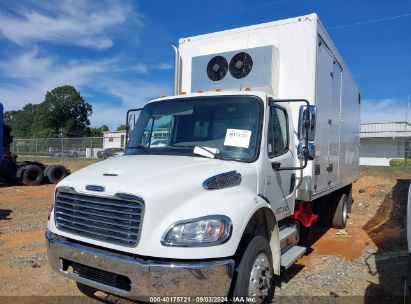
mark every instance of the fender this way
{"type": "Point", "coordinates": [272, 229]}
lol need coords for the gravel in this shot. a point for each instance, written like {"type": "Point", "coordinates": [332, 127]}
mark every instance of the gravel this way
{"type": "Point", "coordinates": [376, 272]}
{"type": "Point", "coordinates": [34, 261]}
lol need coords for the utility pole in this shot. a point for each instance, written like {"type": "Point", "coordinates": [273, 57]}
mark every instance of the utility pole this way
{"type": "Point", "coordinates": [406, 111]}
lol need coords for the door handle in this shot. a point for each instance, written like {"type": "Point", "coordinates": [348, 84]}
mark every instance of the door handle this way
{"type": "Point", "coordinates": [329, 168]}
{"type": "Point", "coordinates": [292, 183]}
{"type": "Point", "coordinates": [276, 166]}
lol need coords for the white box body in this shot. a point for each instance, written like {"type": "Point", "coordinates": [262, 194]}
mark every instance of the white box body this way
{"type": "Point", "coordinates": [305, 65]}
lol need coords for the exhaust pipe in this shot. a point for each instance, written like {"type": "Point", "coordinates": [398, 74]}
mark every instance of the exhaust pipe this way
{"type": "Point", "coordinates": [176, 70]}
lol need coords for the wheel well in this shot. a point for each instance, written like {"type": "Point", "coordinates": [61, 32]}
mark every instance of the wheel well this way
{"type": "Point", "coordinates": [262, 223]}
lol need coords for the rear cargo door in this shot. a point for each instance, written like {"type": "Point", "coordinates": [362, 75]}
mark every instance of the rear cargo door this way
{"type": "Point", "coordinates": [335, 125]}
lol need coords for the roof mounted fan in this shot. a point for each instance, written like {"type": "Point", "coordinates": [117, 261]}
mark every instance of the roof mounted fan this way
{"type": "Point", "coordinates": [241, 65]}
{"type": "Point", "coordinates": [217, 68]}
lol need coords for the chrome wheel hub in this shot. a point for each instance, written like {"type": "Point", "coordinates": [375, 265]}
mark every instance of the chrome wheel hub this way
{"type": "Point", "coordinates": [260, 278]}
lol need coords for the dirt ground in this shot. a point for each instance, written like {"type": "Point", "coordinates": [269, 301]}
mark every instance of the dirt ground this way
{"type": "Point", "coordinates": [364, 263]}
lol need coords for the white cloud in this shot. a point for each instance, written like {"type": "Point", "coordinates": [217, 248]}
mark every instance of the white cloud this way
{"type": "Point", "coordinates": [67, 22]}
{"type": "Point", "coordinates": [384, 110]}
{"type": "Point", "coordinates": [164, 66]}
{"type": "Point", "coordinates": [33, 75]}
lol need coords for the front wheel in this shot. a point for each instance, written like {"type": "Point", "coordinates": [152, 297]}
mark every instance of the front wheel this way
{"type": "Point", "coordinates": [255, 275]}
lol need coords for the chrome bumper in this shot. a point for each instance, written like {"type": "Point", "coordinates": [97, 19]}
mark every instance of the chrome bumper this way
{"type": "Point", "coordinates": [148, 278]}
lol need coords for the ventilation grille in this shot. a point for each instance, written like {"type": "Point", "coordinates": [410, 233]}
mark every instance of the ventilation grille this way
{"type": "Point", "coordinates": [224, 180]}
{"type": "Point", "coordinates": [114, 220]}
{"type": "Point", "coordinates": [98, 275]}
{"type": "Point", "coordinates": [255, 68]}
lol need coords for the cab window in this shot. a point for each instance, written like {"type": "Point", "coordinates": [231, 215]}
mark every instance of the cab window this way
{"type": "Point", "coordinates": [277, 142]}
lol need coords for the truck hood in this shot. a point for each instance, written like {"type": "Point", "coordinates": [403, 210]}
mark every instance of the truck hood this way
{"type": "Point", "coordinates": [172, 190]}
{"type": "Point", "coordinates": [154, 176]}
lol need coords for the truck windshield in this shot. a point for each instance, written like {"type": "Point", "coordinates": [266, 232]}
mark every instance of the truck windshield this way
{"type": "Point", "coordinates": [230, 124]}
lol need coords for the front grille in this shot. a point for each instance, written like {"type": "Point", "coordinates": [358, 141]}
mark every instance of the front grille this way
{"type": "Point", "coordinates": [98, 275]}
{"type": "Point", "coordinates": [115, 220]}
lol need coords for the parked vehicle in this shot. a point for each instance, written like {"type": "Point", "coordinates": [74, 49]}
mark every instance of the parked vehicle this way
{"type": "Point", "coordinates": [64, 154]}
{"type": "Point", "coordinates": [262, 141]}
{"type": "Point", "coordinates": [117, 154]}
{"type": "Point", "coordinates": [81, 152]}
{"type": "Point", "coordinates": [109, 152]}
{"type": "Point", "coordinates": [27, 173]}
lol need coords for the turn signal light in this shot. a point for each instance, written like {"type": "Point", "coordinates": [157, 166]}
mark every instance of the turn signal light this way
{"type": "Point", "coordinates": [183, 93]}
{"type": "Point", "coordinates": [218, 90]}
{"type": "Point", "coordinates": [200, 91]}
{"type": "Point", "coordinates": [247, 89]}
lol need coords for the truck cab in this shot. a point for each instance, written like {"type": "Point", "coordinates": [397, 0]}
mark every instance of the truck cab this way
{"type": "Point", "coordinates": [226, 202]}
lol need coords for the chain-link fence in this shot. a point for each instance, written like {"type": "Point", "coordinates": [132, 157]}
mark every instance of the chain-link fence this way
{"type": "Point", "coordinates": [377, 148]}
{"type": "Point", "coordinates": [85, 147]}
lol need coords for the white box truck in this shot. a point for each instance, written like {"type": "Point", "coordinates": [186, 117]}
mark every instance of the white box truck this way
{"type": "Point", "coordinates": [220, 183]}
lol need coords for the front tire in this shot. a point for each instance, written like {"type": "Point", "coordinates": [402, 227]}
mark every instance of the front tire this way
{"type": "Point", "coordinates": [255, 275]}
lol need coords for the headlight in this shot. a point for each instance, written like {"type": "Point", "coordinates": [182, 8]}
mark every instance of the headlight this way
{"type": "Point", "coordinates": [205, 231]}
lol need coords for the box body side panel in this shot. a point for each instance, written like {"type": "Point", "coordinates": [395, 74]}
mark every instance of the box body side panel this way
{"type": "Point", "coordinates": [338, 120]}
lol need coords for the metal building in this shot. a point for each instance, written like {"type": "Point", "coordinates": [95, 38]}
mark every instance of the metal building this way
{"type": "Point", "coordinates": [382, 142]}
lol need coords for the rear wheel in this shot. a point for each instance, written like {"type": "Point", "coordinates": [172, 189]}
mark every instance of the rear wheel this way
{"type": "Point", "coordinates": [341, 213]}
{"type": "Point", "coordinates": [255, 275]}
{"type": "Point", "coordinates": [32, 175]}
{"type": "Point", "coordinates": [56, 173]}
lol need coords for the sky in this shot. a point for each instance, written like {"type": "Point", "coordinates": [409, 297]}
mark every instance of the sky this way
{"type": "Point", "coordinates": [118, 53]}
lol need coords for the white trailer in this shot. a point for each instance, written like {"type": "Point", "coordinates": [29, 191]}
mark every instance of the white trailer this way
{"type": "Point", "coordinates": [262, 141]}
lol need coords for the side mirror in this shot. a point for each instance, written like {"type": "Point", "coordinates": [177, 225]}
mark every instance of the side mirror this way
{"type": "Point", "coordinates": [310, 123]}
{"type": "Point", "coordinates": [306, 151]}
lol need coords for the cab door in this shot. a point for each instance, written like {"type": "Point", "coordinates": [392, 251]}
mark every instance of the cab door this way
{"type": "Point", "coordinates": [279, 185]}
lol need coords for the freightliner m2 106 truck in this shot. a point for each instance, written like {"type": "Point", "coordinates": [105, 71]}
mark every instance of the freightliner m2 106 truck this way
{"type": "Point", "coordinates": [220, 184]}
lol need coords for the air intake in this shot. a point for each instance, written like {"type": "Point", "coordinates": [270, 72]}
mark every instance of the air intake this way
{"type": "Point", "coordinates": [223, 180]}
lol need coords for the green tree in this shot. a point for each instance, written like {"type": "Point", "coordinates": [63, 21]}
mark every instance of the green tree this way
{"type": "Point", "coordinates": [67, 111]}
{"type": "Point", "coordinates": [97, 132]}
{"type": "Point", "coordinates": [121, 128]}
{"type": "Point", "coordinates": [63, 113]}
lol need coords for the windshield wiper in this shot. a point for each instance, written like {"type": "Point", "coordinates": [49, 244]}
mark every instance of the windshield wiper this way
{"type": "Point", "coordinates": [210, 152]}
